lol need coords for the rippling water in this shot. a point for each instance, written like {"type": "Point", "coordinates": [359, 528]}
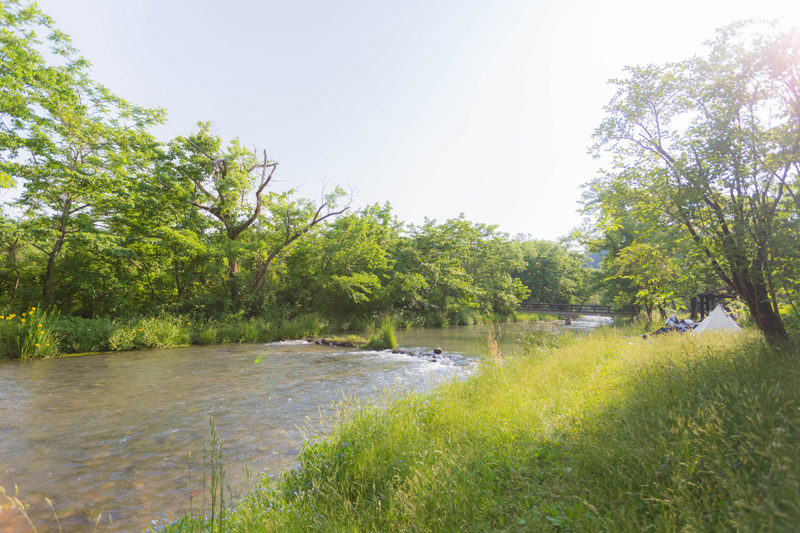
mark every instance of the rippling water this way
{"type": "Point", "coordinates": [123, 434]}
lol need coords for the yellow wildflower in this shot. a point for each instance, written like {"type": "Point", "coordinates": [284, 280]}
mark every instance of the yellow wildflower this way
{"type": "Point", "coordinates": [40, 324]}
{"type": "Point", "coordinates": [189, 323]}
{"type": "Point", "coordinates": [41, 333]}
{"type": "Point", "coordinates": [22, 320]}
{"type": "Point", "coordinates": [33, 309]}
{"type": "Point", "coordinates": [140, 329]}
{"type": "Point", "coordinates": [37, 344]}
{"type": "Point", "coordinates": [47, 344]}
{"type": "Point", "coordinates": [23, 314]}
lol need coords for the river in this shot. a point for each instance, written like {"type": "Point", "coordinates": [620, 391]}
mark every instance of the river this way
{"type": "Point", "coordinates": [121, 435]}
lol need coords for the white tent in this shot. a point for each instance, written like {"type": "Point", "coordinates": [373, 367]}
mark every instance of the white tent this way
{"type": "Point", "coordinates": [718, 320]}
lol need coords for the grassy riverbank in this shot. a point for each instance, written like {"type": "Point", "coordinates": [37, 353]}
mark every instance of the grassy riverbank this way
{"type": "Point", "coordinates": [35, 333]}
{"type": "Point", "coordinates": [607, 433]}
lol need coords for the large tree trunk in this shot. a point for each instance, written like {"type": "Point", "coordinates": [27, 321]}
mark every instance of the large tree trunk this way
{"type": "Point", "coordinates": [233, 282]}
{"type": "Point", "coordinates": [756, 296]}
{"type": "Point", "coordinates": [261, 274]}
{"type": "Point", "coordinates": [49, 292]}
{"type": "Point", "coordinates": [15, 268]}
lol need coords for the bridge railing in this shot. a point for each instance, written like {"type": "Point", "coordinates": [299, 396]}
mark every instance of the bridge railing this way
{"type": "Point", "coordinates": [567, 308]}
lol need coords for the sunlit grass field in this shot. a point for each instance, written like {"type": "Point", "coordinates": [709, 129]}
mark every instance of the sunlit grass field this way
{"type": "Point", "coordinates": [607, 433]}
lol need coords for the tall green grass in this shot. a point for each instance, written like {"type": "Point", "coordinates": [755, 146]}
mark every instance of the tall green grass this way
{"type": "Point", "coordinates": [680, 433]}
{"type": "Point", "coordinates": [35, 333]}
{"type": "Point", "coordinates": [382, 337]}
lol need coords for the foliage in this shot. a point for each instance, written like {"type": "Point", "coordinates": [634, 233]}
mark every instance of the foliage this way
{"type": "Point", "coordinates": [72, 145]}
{"type": "Point", "coordinates": [148, 333]}
{"type": "Point", "coordinates": [231, 187]}
{"type": "Point", "coordinates": [709, 145]}
{"type": "Point", "coordinates": [344, 270]}
{"type": "Point", "coordinates": [81, 335]}
{"type": "Point", "coordinates": [645, 262]}
{"type": "Point", "coordinates": [383, 338]}
{"type": "Point", "coordinates": [651, 273]}
{"type": "Point", "coordinates": [553, 273]}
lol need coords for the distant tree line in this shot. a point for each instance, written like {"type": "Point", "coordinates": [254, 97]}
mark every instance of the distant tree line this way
{"type": "Point", "coordinates": [110, 221]}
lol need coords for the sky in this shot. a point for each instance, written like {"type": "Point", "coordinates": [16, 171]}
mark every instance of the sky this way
{"type": "Point", "coordinates": [440, 107]}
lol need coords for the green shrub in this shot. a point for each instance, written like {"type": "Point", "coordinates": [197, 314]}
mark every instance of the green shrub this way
{"type": "Point", "coordinates": [76, 334]}
{"type": "Point", "coordinates": [204, 333]}
{"type": "Point", "coordinates": [160, 332]}
{"type": "Point", "coordinates": [123, 337]}
{"type": "Point", "coordinates": [149, 333]}
{"type": "Point", "coordinates": [301, 327]}
{"type": "Point", "coordinates": [231, 332]}
{"type": "Point", "coordinates": [466, 316]}
{"type": "Point", "coordinates": [434, 320]}
{"type": "Point", "coordinates": [383, 338]}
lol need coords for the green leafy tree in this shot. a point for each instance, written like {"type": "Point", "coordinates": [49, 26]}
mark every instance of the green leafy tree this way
{"type": "Point", "coordinates": [711, 145]}
{"type": "Point", "coordinates": [344, 270]}
{"type": "Point", "coordinates": [459, 266]}
{"type": "Point", "coordinates": [552, 272]}
{"type": "Point", "coordinates": [230, 187]}
{"type": "Point", "coordinates": [629, 234]}
{"type": "Point", "coordinates": [71, 144]}
{"type": "Point", "coordinates": [24, 75]}
{"type": "Point", "coordinates": [652, 273]}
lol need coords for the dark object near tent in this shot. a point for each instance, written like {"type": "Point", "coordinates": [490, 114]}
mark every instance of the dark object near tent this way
{"type": "Point", "coordinates": [674, 324]}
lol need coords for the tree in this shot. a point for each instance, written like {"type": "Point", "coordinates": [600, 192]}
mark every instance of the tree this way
{"type": "Point", "coordinates": [343, 271]}
{"type": "Point", "coordinates": [712, 144]}
{"type": "Point", "coordinates": [552, 272]}
{"type": "Point", "coordinates": [23, 72]}
{"type": "Point", "coordinates": [230, 186]}
{"type": "Point", "coordinates": [72, 144]}
{"type": "Point", "coordinates": [652, 273]}
{"type": "Point", "coordinates": [445, 270]}
{"type": "Point", "coordinates": [646, 261]}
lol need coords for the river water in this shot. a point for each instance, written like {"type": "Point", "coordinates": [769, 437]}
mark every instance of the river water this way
{"type": "Point", "coordinates": [121, 435]}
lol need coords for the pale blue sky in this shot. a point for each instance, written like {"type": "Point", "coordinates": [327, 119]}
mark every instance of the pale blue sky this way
{"type": "Point", "coordinates": [438, 106]}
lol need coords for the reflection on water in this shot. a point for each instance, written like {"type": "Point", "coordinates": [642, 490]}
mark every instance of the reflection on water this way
{"type": "Point", "coordinates": [121, 433]}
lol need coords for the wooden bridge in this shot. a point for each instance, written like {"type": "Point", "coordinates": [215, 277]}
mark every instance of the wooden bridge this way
{"type": "Point", "coordinates": [568, 309]}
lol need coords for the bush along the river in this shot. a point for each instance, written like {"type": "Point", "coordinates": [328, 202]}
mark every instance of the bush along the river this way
{"type": "Point", "coordinates": [35, 333]}
{"type": "Point", "coordinates": [383, 337]}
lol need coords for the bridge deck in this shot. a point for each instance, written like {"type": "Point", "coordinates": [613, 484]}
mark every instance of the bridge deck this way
{"type": "Point", "coordinates": [568, 309]}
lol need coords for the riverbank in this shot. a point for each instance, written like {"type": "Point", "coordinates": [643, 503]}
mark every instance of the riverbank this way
{"type": "Point", "coordinates": [35, 334]}
{"type": "Point", "coordinates": [605, 433]}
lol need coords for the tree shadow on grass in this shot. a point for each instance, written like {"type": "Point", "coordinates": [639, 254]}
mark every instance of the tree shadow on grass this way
{"type": "Point", "coordinates": [692, 443]}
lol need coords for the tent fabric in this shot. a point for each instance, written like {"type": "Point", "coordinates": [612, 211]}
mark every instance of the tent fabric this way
{"type": "Point", "coordinates": [718, 320]}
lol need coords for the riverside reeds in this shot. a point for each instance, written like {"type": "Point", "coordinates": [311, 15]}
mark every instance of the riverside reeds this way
{"type": "Point", "coordinates": [604, 434]}
{"type": "Point", "coordinates": [28, 335]}
{"type": "Point", "coordinates": [35, 333]}
{"type": "Point", "coordinates": [382, 337]}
